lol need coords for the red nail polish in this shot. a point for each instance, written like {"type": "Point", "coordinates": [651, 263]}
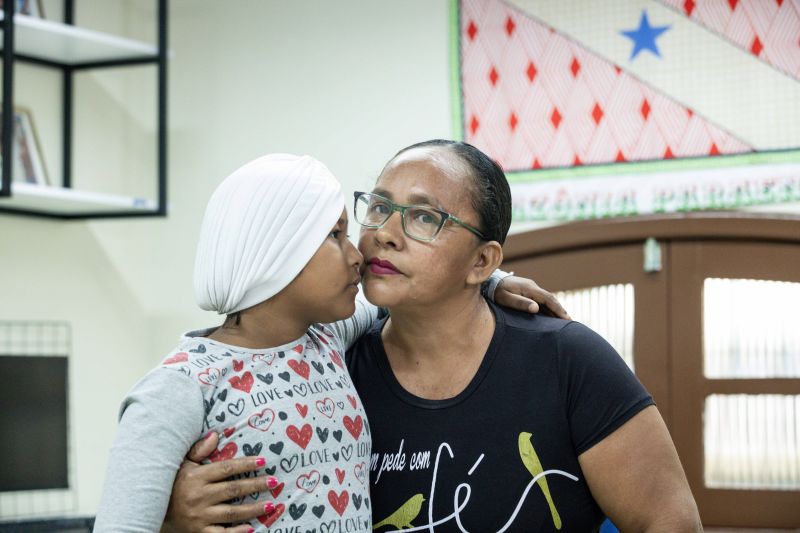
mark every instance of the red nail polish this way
{"type": "Point", "coordinates": [251, 530]}
{"type": "Point", "coordinates": [208, 435]}
{"type": "Point", "coordinates": [269, 508]}
{"type": "Point", "coordinates": [260, 462]}
{"type": "Point", "coordinates": [272, 482]}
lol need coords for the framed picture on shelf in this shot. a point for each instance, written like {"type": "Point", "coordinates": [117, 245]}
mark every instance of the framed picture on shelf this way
{"type": "Point", "coordinates": [32, 8]}
{"type": "Point", "coordinates": [28, 165]}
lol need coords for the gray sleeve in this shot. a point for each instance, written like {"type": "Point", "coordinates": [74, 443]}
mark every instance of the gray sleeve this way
{"type": "Point", "coordinates": [350, 329]}
{"type": "Point", "coordinates": [490, 285]}
{"type": "Point", "coordinates": [160, 419]}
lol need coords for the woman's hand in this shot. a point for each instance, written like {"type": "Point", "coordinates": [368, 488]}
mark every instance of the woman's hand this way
{"type": "Point", "coordinates": [524, 294]}
{"type": "Point", "coordinates": [200, 492]}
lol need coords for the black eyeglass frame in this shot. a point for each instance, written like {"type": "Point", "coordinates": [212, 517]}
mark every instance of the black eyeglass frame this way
{"type": "Point", "coordinates": [402, 210]}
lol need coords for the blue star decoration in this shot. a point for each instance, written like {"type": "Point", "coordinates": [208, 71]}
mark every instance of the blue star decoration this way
{"type": "Point", "coordinates": [644, 37]}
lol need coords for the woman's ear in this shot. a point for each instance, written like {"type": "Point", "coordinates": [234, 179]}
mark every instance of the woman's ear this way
{"type": "Point", "coordinates": [488, 259]}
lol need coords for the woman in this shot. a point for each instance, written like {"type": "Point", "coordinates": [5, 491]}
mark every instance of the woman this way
{"type": "Point", "coordinates": [536, 415]}
{"type": "Point", "coordinates": [484, 419]}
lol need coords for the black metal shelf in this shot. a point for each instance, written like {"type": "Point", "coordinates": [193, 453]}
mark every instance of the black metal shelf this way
{"type": "Point", "coordinates": [71, 49]}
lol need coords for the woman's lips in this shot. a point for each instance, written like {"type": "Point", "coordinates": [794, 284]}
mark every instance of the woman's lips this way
{"type": "Point", "coordinates": [382, 268]}
{"type": "Point", "coordinates": [383, 271]}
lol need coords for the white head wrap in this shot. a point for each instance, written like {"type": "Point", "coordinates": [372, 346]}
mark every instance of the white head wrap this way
{"type": "Point", "coordinates": [262, 225]}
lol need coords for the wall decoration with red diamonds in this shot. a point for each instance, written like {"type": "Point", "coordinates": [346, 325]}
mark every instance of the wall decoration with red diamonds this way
{"type": "Point", "coordinates": [667, 105]}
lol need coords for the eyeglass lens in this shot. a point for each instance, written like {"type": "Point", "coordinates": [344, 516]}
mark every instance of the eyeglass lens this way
{"type": "Point", "coordinates": [418, 222]}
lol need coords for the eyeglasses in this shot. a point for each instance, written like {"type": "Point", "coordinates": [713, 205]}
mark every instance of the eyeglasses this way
{"type": "Point", "coordinates": [420, 222]}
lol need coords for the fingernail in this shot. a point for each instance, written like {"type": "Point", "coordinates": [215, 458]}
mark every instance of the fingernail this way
{"type": "Point", "coordinates": [269, 508]}
{"type": "Point", "coordinates": [261, 462]}
{"type": "Point", "coordinates": [251, 530]}
{"type": "Point", "coordinates": [208, 435]}
{"type": "Point", "coordinates": [272, 482]}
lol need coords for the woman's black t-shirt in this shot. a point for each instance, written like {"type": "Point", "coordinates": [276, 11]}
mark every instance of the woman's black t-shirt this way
{"type": "Point", "coordinates": [503, 454]}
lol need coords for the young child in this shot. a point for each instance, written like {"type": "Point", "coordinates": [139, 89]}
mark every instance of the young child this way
{"type": "Point", "coordinates": [274, 257]}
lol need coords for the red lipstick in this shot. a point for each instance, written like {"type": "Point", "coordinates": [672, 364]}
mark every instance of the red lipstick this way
{"type": "Point", "coordinates": [382, 268]}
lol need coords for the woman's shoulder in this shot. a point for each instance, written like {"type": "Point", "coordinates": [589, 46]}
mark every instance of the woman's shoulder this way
{"type": "Point", "coordinates": [563, 340]}
{"type": "Point", "coordinates": [523, 323]}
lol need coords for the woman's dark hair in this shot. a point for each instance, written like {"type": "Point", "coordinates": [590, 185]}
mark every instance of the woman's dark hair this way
{"type": "Point", "coordinates": [491, 195]}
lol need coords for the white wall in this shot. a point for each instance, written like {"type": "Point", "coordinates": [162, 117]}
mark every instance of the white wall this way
{"type": "Point", "coordinates": [60, 272]}
{"type": "Point", "coordinates": [347, 82]}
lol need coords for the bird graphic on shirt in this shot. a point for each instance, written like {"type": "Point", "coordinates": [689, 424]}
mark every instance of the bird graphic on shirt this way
{"type": "Point", "coordinates": [534, 466]}
{"type": "Point", "coordinates": [404, 515]}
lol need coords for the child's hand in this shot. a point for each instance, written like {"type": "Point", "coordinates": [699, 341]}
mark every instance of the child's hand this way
{"type": "Point", "coordinates": [525, 295]}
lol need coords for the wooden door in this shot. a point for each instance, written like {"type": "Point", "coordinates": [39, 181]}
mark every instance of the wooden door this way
{"type": "Point", "coordinates": [750, 395]}
{"type": "Point", "coordinates": [716, 340]}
